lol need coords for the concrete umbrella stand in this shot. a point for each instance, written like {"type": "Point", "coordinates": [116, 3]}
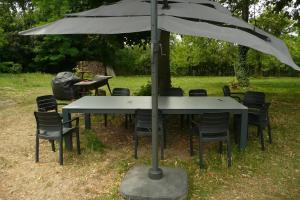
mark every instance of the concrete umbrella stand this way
{"type": "Point", "coordinates": [142, 183]}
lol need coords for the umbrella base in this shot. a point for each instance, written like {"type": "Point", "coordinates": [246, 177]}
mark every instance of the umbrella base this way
{"type": "Point", "coordinates": [138, 186]}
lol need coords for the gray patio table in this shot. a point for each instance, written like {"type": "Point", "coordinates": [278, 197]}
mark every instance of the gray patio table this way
{"type": "Point", "coordinates": [167, 105]}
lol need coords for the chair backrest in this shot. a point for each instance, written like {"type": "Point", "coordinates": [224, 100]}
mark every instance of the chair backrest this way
{"type": "Point", "coordinates": [46, 103]}
{"type": "Point", "coordinates": [254, 99]}
{"type": "Point", "coordinates": [198, 92]}
{"type": "Point", "coordinates": [171, 92]}
{"type": "Point", "coordinates": [120, 92]}
{"type": "Point", "coordinates": [143, 119]}
{"type": "Point", "coordinates": [226, 91]}
{"type": "Point", "coordinates": [48, 121]}
{"type": "Point", "coordinates": [214, 122]}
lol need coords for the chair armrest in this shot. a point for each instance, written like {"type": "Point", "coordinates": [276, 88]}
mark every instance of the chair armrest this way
{"type": "Point", "coordinates": [75, 118]}
{"type": "Point", "coordinates": [240, 93]}
{"type": "Point", "coordinates": [145, 125]}
{"type": "Point", "coordinates": [265, 107]}
{"type": "Point", "coordinates": [237, 98]}
{"type": "Point", "coordinates": [194, 123]}
{"type": "Point", "coordinates": [267, 104]}
{"type": "Point", "coordinates": [62, 103]}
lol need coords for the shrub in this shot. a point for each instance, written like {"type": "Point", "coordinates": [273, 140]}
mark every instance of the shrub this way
{"type": "Point", "coordinates": [10, 67]}
{"type": "Point", "coordinates": [91, 142]}
{"type": "Point", "coordinates": [145, 90]}
{"type": "Point", "coordinates": [133, 60]}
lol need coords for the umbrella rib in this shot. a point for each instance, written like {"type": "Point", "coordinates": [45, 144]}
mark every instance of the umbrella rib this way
{"type": "Point", "coordinates": [221, 24]}
{"type": "Point", "coordinates": [175, 2]}
{"type": "Point", "coordinates": [103, 16]}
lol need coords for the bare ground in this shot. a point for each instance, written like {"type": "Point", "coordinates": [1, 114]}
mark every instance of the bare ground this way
{"type": "Point", "coordinates": [22, 178]}
{"type": "Point", "coordinates": [94, 175]}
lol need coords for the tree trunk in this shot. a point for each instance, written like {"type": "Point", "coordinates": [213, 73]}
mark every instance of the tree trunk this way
{"type": "Point", "coordinates": [241, 72]}
{"type": "Point", "coordinates": [258, 71]}
{"type": "Point", "coordinates": [164, 75]}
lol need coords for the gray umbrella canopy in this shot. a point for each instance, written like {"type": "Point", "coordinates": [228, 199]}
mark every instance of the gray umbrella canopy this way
{"type": "Point", "coordinates": [187, 17]}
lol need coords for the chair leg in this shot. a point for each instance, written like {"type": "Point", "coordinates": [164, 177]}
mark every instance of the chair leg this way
{"type": "Point", "coordinates": [182, 121]}
{"type": "Point", "coordinates": [130, 118]}
{"type": "Point", "coordinates": [261, 134]}
{"type": "Point", "coordinates": [229, 155]}
{"type": "Point", "coordinates": [78, 141]}
{"type": "Point", "coordinates": [162, 146]}
{"type": "Point", "coordinates": [71, 141]}
{"type": "Point", "coordinates": [105, 120]}
{"type": "Point", "coordinates": [52, 145]}
{"type": "Point", "coordinates": [221, 147]}
{"type": "Point", "coordinates": [201, 151]}
{"type": "Point", "coordinates": [126, 121]}
{"type": "Point", "coordinates": [165, 138]}
{"type": "Point", "coordinates": [188, 120]}
{"type": "Point", "coordinates": [136, 143]}
{"type": "Point", "coordinates": [237, 128]}
{"type": "Point", "coordinates": [269, 131]}
{"type": "Point", "coordinates": [191, 143]}
{"type": "Point", "coordinates": [61, 161]}
{"type": "Point", "coordinates": [37, 148]}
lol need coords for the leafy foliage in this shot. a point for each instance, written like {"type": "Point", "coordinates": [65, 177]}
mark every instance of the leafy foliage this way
{"type": "Point", "coordinates": [201, 56]}
{"type": "Point", "coordinates": [290, 8]}
{"type": "Point", "coordinates": [91, 142]}
{"type": "Point", "coordinates": [130, 53]}
{"type": "Point", "coordinates": [10, 67]}
{"type": "Point", "coordinates": [145, 90]}
{"type": "Point", "coordinates": [133, 60]}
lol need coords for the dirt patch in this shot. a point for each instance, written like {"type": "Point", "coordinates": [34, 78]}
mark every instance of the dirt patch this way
{"type": "Point", "coordinates": [22, 178]}
{"type": "Point", "coordinates": [97, 175]}
{"type": "Point", "coordinates": [7, 102]}
{"type": "Point", "coordinates": [90, 175]}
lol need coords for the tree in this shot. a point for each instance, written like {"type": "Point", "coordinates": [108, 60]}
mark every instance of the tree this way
{"type": "Point", "coordinates": [282, 8]}
{"type": "Point", "coordinates": [291, 8]}
{"type": "Point", "coordinates": [202, 56]}
{"type": "Point", "coordinates": [241, 8]}
{"type": "Point", "coordinates": [14, 17]}
{"type": "Point", "coordinates": [164, 74]}
{"type": "Point", "coordinates": [279, 25]}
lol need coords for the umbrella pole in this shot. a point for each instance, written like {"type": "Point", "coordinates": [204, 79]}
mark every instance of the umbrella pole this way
{"type": "Point", "coordinates": [154, 172]}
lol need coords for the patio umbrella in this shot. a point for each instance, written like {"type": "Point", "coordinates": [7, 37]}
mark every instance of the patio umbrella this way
{"type": "Point", "coordinates": [187, 17]}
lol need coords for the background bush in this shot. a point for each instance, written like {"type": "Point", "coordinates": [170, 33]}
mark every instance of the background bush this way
{"type": "Point", "coordinates": [10, 67]}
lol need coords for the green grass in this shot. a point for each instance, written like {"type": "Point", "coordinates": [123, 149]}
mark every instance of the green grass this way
{"type": "Point", "coordinates": [91, 143]}
{"type": "Point", "coordinates": [273, 174]}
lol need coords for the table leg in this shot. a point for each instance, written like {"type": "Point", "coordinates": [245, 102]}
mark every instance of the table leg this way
{"type": "Point", "coordinates": [96, 91]}
{"type": "Point", "coordinates": [68, 140]}
{"type": "Point", "coordinates": [108, 87]}
{"type": "Point", "coordinates": [87, 120]}
{"type": "Point", "coordinates": [244, 130]}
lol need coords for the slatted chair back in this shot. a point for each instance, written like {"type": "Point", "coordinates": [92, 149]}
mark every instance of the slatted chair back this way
{"type": "Point", "coordinates": [120, 92]}
{"type": "Point", "coordinates": [213, 127]}
{"type": "Point", "coordinates": [48, 121]}
{"type": "Point", "coordinates": [46, 103]}
{"type": "Point", "coordinates": [226, 91]}
{"type": "Point", "coordinates": [254, 99]}
{"type": "Point", "coordinates": [143, 127]}
{"type": "Point", "coordinates": [144, 119]}
{"type": "Point", "coordinates": [214, 122]}
{"type": "Point", "coordinates": [198, 92]}
{"type": "Point", "coordinates": [171, 92]}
